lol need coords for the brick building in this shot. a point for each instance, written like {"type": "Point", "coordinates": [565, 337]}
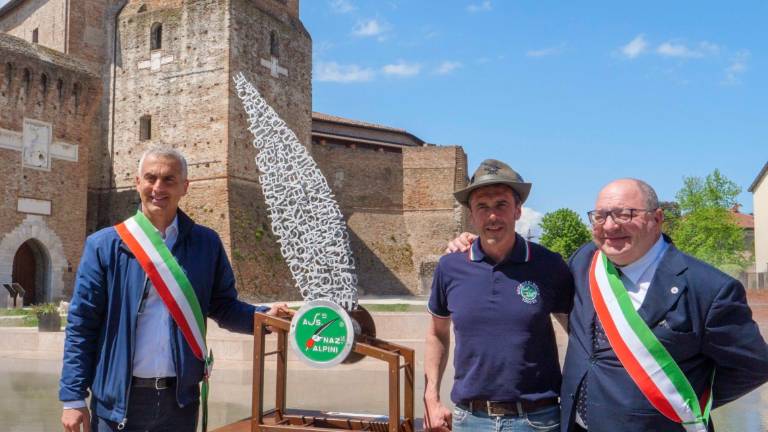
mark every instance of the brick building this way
{"type": "Point", "coordinates": [102, 80]}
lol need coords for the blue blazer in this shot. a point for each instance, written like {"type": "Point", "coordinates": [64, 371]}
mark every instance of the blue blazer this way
{"type": "Point", "coordinates": [98, 346]}
{"type": "Point", "coordinates": [705, 324]}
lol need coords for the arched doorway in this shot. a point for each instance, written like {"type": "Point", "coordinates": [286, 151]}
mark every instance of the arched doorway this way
{"type": "Point", "coordinates": [31, 270]}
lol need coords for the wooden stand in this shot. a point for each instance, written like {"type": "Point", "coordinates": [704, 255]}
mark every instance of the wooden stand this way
{"type": "Point", "coordinates": [282, 419]}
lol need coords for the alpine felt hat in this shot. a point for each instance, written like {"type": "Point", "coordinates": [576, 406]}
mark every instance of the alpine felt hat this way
{"type": "Point", "coordinates": [492, 172]}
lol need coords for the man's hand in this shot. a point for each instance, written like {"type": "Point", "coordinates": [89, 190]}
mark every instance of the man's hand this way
{"type": "Point", "coordinates": [462, 243]}
{"type": "Point", "coordinates": [280, 309]}
{"type": "Point", "coordinates": [71, 419]}
{"type": "Point", "coordinates": [436, 417]}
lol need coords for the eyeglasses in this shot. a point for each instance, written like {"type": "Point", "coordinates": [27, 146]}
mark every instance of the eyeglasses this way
{"type": "Point", "coordinates": [620, 215]}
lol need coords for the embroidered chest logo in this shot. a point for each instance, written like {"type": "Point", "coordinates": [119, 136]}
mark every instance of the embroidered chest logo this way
{"type": "Point", "coordinates": [529, 292]}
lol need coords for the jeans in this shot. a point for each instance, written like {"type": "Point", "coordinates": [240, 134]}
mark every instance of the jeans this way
{"type": "Point", "coordinates": [544, 420]}
{"type": "Point", "coordinates": [151, 410]}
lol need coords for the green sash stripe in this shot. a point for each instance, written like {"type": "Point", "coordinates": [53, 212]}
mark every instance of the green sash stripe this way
{"type": "Point", "coordinates": [174, 267]}
{"type": "Point", "coordinates": [652, 343]}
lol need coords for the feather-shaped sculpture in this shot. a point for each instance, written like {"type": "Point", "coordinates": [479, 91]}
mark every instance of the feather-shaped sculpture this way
{"type": "Point", "coordinates": [304, 215]}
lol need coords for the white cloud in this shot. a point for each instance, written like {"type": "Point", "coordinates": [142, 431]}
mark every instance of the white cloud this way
{"type": "Point", "coordinates": [370, 28]}
{"type": "Point", "coordinates": [483, 6]}
{"type": "Point", "coordinates": [635, 47]}
{"type": "Point", "coordinates": [737, 67]}
{"type": "Point", "coordinates": [342, 6]}
{"type": "Point", "coordinates": [544, 52]}
{"type": "Point", "coordinates": [528, 225]}
{"type": "Point", "coordinates": [402, 69]}
{"type": "Point", "coordinates": [447, 67]}
{"type": "Point", "coordinates": [334, 72]}
{"type": "Point", "coordinates": [679, 50]}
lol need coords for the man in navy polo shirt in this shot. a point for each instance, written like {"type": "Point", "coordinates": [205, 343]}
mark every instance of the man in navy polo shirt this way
{"type": "Point", "coordinates": [499, 296]}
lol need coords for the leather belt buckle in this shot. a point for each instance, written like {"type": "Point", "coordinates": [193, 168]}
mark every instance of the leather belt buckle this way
{"type": "Point", "coordinates": [498, 408]}
{"type": "Point", "coordinates": [161, 384]}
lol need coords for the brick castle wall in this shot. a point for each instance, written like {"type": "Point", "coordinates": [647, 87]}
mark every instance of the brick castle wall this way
{"type": "Point", "coordinates": [399, 209]}
{"type": "Point", "coordinates": [40, 84]}
{"type": "Point", "coordinates": [255, 255]}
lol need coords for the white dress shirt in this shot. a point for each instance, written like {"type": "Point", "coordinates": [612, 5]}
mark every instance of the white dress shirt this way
{"type": "Point", "coordinates": [152, 356]}
{"type": "Point", "coordinates": [638, 275]}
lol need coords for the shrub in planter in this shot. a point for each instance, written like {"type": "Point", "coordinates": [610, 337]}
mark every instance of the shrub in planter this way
{"type": "Point", "coordinates": [48, 318]}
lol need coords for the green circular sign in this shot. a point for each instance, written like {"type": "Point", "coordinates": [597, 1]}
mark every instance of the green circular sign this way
{"type": "Point", "coordinates": [322, 333]}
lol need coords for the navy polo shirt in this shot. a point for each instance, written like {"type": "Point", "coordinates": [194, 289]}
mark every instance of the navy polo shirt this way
{"type": "Point", "coordinates": [505, 343]}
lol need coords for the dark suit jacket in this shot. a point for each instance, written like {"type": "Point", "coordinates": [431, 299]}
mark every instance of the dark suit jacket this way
{"type": "Point", "coordinates": [705, 324]}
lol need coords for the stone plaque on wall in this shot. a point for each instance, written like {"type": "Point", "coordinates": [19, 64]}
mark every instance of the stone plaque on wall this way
{"type": "Point", "coordinates": [33, 206]}
{"type": "Point", "coordinates": [37, 144]}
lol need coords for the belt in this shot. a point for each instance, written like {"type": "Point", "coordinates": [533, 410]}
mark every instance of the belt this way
{"type": "Point", "coordinates": [161, 383]}
{"type": "Point", "coordinates": [504, 408]}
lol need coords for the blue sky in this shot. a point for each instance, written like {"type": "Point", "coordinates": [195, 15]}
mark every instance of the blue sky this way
{"type": "Point", "coordinates": [570, 94]}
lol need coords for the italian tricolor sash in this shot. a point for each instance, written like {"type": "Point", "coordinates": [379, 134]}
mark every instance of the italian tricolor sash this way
{"type": "Point", "coordinates": [173, 287]}
{"type": "Point", "coordinates": [170, 281]}
{"type": "Point", "coordinates": [647, 361]}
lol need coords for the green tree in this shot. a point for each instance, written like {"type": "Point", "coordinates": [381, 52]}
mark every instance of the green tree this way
{"type": "Point", "coordinates": [562, 231]}
{"type": "Point", "coordinates": [706, 229]}
{"type": "Point", "coordinates": [671, 216]}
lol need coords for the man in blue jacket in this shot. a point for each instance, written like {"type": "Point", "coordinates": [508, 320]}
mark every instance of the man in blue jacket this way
{"type": "Point", "coordinates": [122, 342]}
{"type": "Point", "coordinates": [698, 314]}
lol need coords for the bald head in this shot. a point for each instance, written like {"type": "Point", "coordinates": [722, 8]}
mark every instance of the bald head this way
{"type": "Point", "coordinates": [645, 191]}
{"type": "Point", "coordinates": [625, 243]}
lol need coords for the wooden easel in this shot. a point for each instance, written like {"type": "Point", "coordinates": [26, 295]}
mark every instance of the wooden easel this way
{"type": "Point", "coordinates": [282, 419]}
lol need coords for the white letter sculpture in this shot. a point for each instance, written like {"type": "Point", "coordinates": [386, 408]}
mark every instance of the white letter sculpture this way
{"type": "Point", "coordinates": [305, 217]}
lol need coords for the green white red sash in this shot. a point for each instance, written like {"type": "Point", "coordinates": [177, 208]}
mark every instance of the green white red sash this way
{"type": "Point", "coordinates": [173, 287]}
{"type": "Point", "coordinates": [170, 281]}
{"type": "Point", "coordinates": [645, 359]}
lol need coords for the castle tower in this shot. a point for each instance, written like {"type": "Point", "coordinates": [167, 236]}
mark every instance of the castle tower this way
{"type": "Point", "coordinates": [75, 28]}
{"type": "Point", "coordinates": [173, 86]}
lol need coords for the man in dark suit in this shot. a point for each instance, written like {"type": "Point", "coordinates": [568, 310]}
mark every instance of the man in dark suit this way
{"type": "Point", "coordinates": [697, 313]}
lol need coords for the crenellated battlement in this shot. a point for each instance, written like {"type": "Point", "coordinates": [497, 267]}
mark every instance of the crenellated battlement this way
{"type": "Point", "coordinates": [42, 82]}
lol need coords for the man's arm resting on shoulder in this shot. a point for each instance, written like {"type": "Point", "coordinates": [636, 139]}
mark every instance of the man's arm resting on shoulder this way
{"type": "Point", "coordinates": [462, 243]}
{"type": "Point", "coordinates": [733, 342]}
{"type": "Point", "coordinates": [437, 344]}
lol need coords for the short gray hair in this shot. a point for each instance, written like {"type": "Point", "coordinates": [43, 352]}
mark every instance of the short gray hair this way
{"type": "Point", "coordinates": [165, 152]}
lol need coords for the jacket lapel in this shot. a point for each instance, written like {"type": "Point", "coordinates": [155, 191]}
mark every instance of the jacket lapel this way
{"type": "Point", "coordinates": [667, 285]}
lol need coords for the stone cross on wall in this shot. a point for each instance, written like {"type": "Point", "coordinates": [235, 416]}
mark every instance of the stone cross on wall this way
{"type": "Point", "coordinates": [274, 68]}
{"type": "Point", "coordinates": [36, 145]}
{"type": "Point", "coordinates": [155, 62]}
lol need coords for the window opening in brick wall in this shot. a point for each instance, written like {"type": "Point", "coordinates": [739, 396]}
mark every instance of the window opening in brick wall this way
{"type": "Point", "coordinates": [156, 36]}
{"type": "Point", "coordinates": [142, 8]}
{"type": "Point", "coordinates": [8, 77]}
{"type": "Point", "coordinates": [76, 95]}
{"type": "Point", "coordinates": [44, 85]}
{"type": "Point", "coordinates": [145, 128]}
{"type": "Point", "coordinates": [34, 36]}
{"type": "Point", "coordinates": [25, 81]}
{"type": "Point", "coordinates": [60, 89]}
{"type": "Point", "coordinates": [274, 44]}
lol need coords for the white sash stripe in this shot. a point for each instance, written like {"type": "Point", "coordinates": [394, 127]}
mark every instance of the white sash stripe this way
{"type": "Point", "coordinates": [641, 353]}
{"type": "Point", "coordinates": [170, 281]}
